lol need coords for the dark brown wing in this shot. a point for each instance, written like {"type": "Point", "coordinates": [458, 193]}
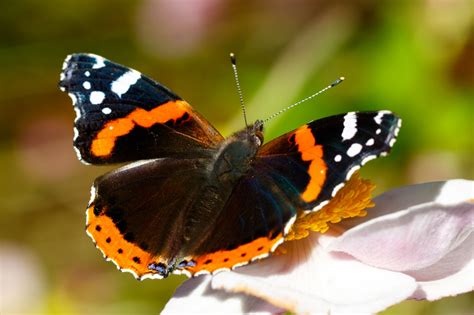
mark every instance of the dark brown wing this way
{"type": "Point", "coordinates": [138, 212]}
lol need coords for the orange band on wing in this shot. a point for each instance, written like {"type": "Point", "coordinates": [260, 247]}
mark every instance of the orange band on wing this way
{"type": "Point", "coordinates": [312, 152]}
{"type": "Point", "coordinates": [127, 256]}
{"type": "Point", "coordinates": [104, 142]}
{"type": "Point", "coordinates": [226, 259]}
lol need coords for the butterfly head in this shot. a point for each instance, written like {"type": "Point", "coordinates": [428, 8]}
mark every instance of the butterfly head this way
{"type": "Point", "coordinates": [255, 132]}
{"type": "Point", "coordinates": [237, 152]}
{"type": "Point", "coordinates": [249, 139]}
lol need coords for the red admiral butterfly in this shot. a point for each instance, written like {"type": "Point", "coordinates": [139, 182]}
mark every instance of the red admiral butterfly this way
{"type": "Point", "coordinates": [194, 202]}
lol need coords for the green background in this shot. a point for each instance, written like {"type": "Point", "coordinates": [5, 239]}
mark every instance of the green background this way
{"type": "Point", "coordinates": [411, 57]}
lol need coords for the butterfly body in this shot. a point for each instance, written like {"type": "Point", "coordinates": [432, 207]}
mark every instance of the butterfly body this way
{"type": "Point", "coordinates": [191, 201]}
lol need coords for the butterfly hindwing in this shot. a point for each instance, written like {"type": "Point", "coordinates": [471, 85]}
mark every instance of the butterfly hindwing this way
{"type": "Point", "coordinates": [137, 214]}
{"type": "Point", "coordinates": [124, 116]}
{"type": "Point", "coordinates": [251, 225]}
{"type": "Point", "coordinates": [139, 217]}
{"type": "Point", "coordinates": [316, 159]}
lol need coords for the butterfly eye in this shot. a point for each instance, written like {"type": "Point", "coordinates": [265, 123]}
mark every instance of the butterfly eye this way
{"type": "Point", "coordinates": [259, 138]}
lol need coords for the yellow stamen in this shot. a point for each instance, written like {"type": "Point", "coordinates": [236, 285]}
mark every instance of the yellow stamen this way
{"type": "Point", "coordinates": [351, 201]}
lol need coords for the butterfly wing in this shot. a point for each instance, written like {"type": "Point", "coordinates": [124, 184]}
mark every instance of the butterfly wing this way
{"type": "Point", "coordinates": [250, 226]}
{"type": "Point", "coordinates": [124, 116]}
{"type": "Point", "coordinates": [314, 161]}
{"type": "Point", "coordinates": [137, 213]}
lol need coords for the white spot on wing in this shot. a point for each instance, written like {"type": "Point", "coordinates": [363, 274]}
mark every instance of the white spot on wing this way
{"type": "Point", "coordinates": [380, 114]}
{"type": "Point", "coordinates": [106, 110]}
{"type": "Point", "coordinates": [86, 85]}
{"type": "Point", "coordinates": [96, 97]}
{"type": "Point", "coordinates": [93, 195]}
{"type": "Point", "coordinates": [369, 158]}
{"type": "Point", "coordinates": [201, 272]}
{"type": "Point", "coordinates": [322, 204]}
{"type": "Point", "coordinates": [146, 276]}
{"type": "Point", "coordinates": [76, 134]}
{"type": "Point", "coordinates": [350, 126]}
{"type": "Point", "coordinates": [288, 225]}
{"type": "Point", "coordinates": [181, 272]}
{"type": "Point", "coordinates": [336, 189]}
{"type": "Point", "coordinates": [351, 172]}
{"type": "Point", "coordinates": [338, 158]}
{"type": "Point", "coordinates": [124, 82]}
{"type": "Point", "coordinates": [259, 257]}
{"type": "Point", "coordinates": [78, 114]}
{"type": "Point", "coordinates": [237, 265]}
{"type": "Point", "coordinates": [399, 125]}
{"type": "Point", "coordinates": [87, 74]}
{"type": "Point", "coordinates": [278, 243]}
{"type": "Point", "coordinates": [378, 131]}
{"type": "Point", "coordinates": [370, 142]}
{"type": "Point", "coordinates": [78, 154]}
{"type": "Point", "coordinates": [99, 62]}
{"type": "Point", "coordinates": [354, 149]}
{"type": "Point", "coordinates": [66, 61]}
{"type": "Point", "coordinates": [73, 98]}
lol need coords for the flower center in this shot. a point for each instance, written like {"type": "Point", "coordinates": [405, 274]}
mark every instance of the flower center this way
{"type": "Point", "coordinates": [351, 201]}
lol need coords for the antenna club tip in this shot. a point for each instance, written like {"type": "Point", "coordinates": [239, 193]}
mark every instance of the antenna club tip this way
{"type": "Point", "coordinates": [232, 58]}
{"type": "Point", "coordinates": [337, 81]}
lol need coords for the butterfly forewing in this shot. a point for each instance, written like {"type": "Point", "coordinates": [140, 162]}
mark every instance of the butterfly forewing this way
{"type": "Point", "coordinates": [316, 159]}
{"type": "Point", "coordinates": [121, 115]}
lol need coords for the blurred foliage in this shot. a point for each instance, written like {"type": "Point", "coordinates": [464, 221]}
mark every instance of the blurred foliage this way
{"type": "Point", "coordinates": [412, 57]}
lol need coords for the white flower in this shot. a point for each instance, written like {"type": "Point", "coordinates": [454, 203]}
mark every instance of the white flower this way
{"type": "Point", "coordinates": [417, 243]}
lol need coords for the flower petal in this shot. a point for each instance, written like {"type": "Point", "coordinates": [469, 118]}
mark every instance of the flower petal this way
{"type": "Point", "coordinates": [307, 279]}
{"type": "Point", "coordinates": [443, 192]}
{"type": "Point", "coordinates": [416, 237]}
{"type": "Point", "coordinates": [196, 296]}
{"type": "Point", "coordinates": [450, 276]}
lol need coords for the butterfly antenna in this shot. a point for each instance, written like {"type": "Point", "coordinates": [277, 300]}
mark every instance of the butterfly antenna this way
{"type": "Point", "coordinates": [306, 99]}
{"type": "Point", "coordinates": [241, 96]}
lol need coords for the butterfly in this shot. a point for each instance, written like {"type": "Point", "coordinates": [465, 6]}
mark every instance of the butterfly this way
{"type": "Point", "coordinates": [190, 201]}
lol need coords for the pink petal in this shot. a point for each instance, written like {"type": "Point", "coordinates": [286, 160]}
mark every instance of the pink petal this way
{"type": "Point", "coordinates": [416, 237]}
{"type": "Point", "coordinates": [452, 275]}
{"type": "Point", "coordinates": [307, 280]}
{"type": "Point", "coordinates": [445, 193]}
{"type": "Point", "coordinates": [196, 296]}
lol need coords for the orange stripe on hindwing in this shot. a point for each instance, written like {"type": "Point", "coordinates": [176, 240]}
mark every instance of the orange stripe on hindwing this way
{"type": "Point", "coordinates": [107, 237]}
{"type": "Point", "coordinates": [104, 142]}
{"type": "Point", "coordinates": [129, 257]}
{"type": "Point", "coordinates": [242, 255]}
{"type": "Point", "coordinates": [312, 153]}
